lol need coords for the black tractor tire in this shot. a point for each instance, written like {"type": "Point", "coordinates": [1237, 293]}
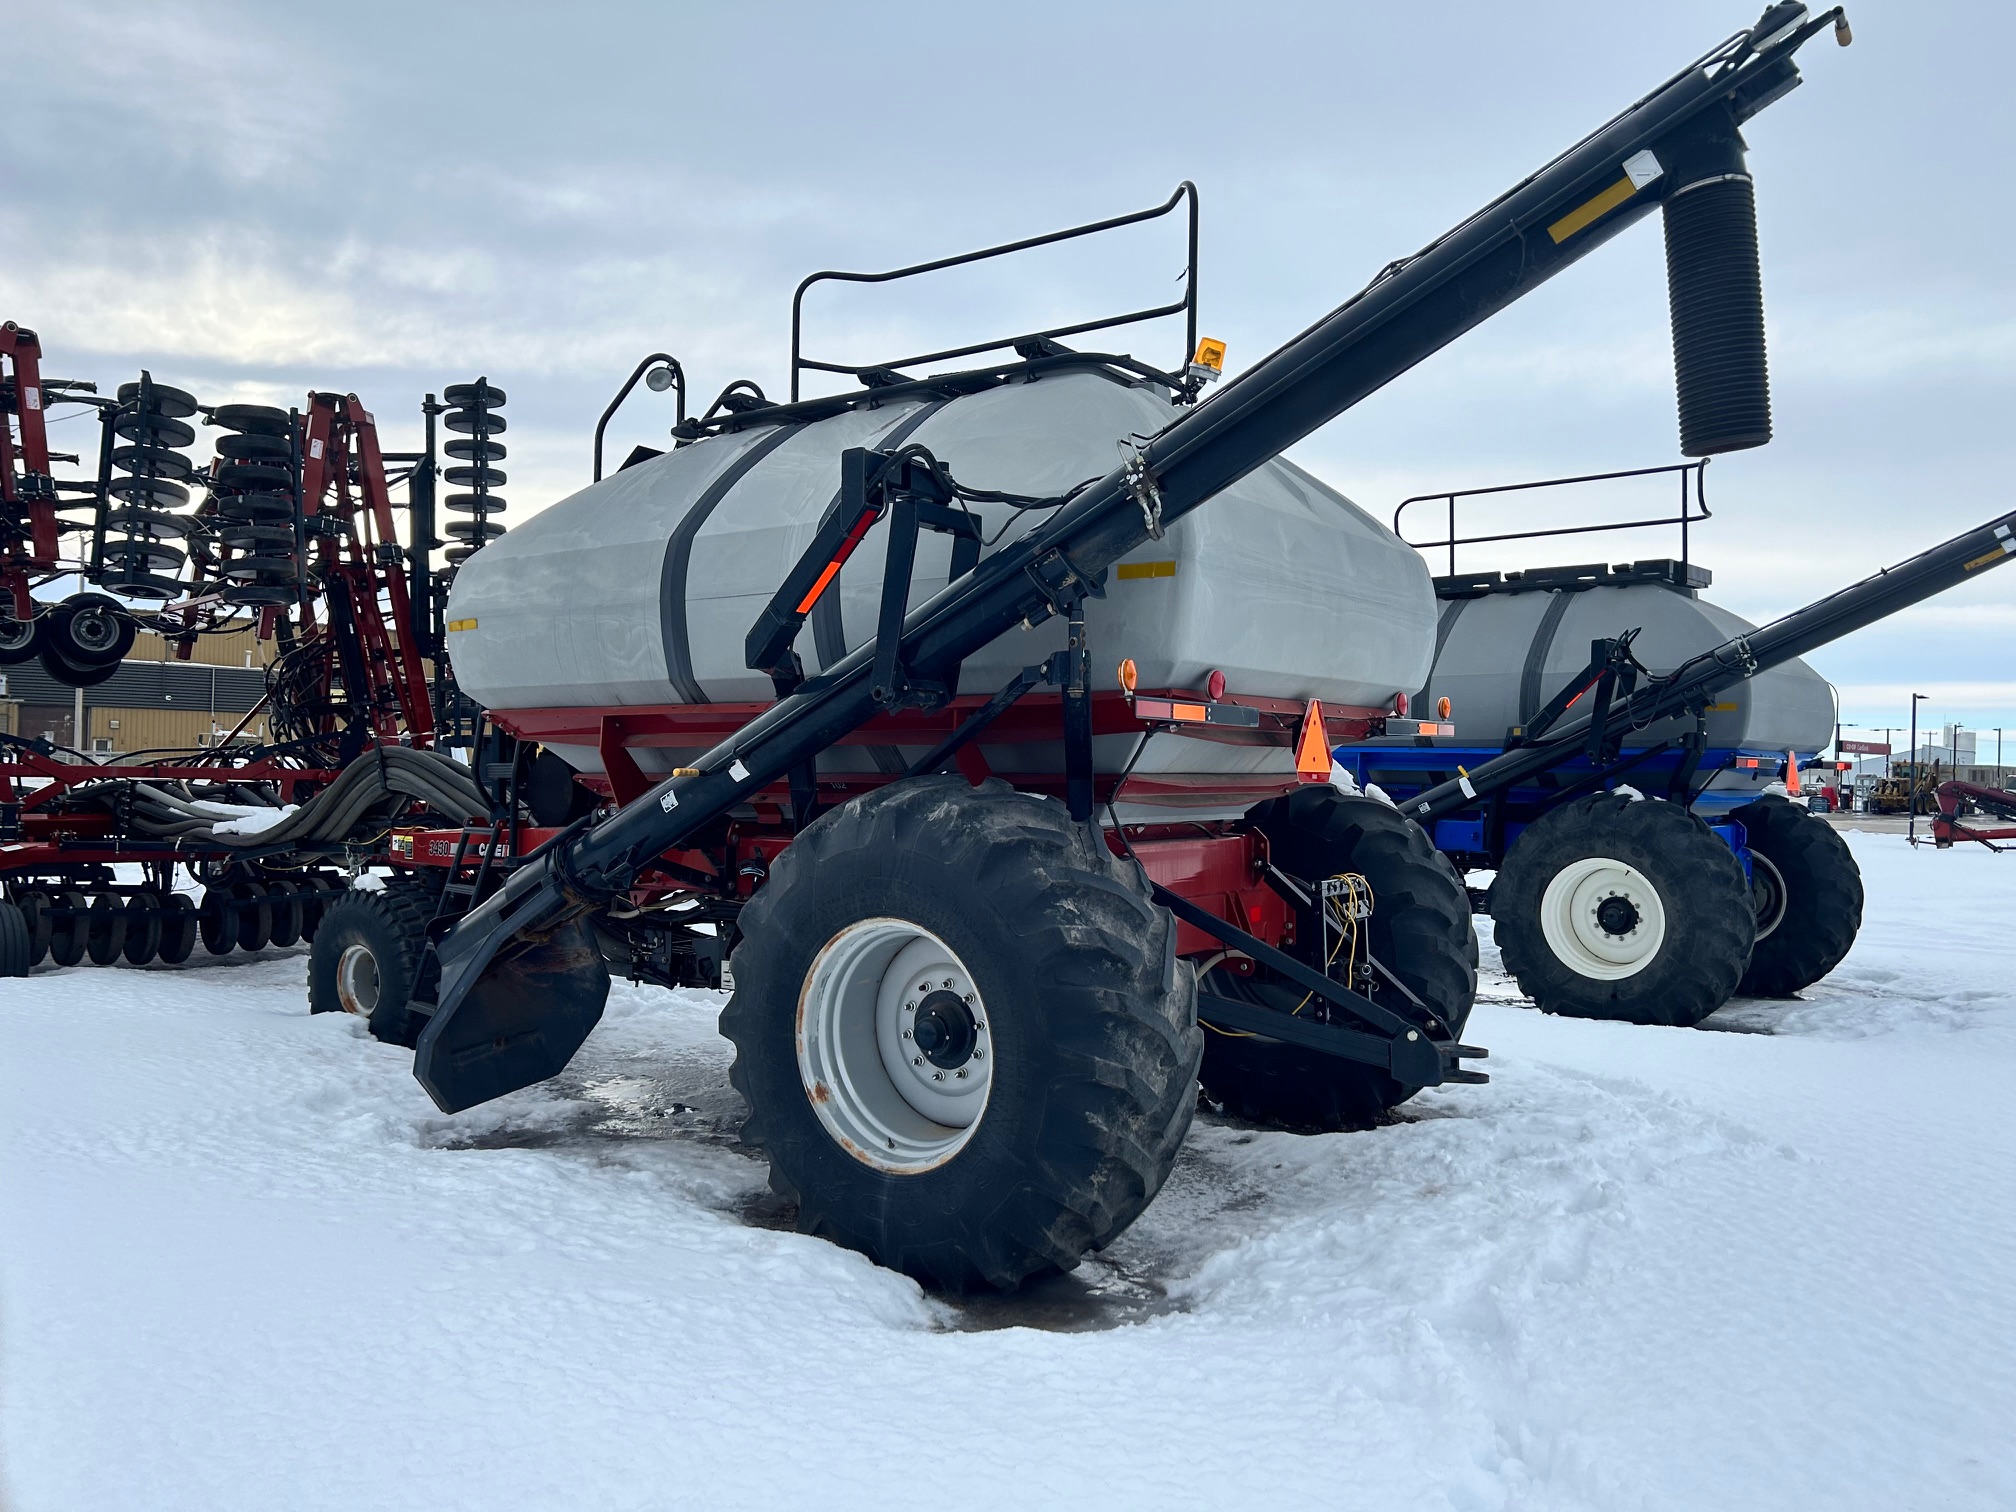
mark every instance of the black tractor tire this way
{"type": "Point", "coordinates": [15, 959]}
{"type": "Point", "coordinates": [1420, 930]}
{"type": "Point", "coordinates": [1695, 947]}
{"type": "Point", "coordinates": [1074, 972]}
{"type": "Point", "coordinates": [1809, 895]}
{"type": "Point", "coordinates": [370, 956]}
{"type": "Point", "coordinates": [178, 929]}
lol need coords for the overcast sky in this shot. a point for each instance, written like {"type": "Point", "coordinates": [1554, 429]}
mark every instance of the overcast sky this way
{"type": "Point", "coordinates": [254, 200]}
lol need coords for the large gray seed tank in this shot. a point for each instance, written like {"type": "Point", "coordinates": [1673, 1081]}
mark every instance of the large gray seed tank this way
{"type": "Point", "coordinates": [641, 589]}
{"type": "Point", "coordinates": [1501, 656]}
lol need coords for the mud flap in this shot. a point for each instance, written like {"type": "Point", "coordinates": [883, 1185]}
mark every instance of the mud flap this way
{"type": "Point", "coordinates": [512, 1010]}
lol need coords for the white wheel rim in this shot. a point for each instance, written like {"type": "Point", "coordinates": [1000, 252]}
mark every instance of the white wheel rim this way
{"type": "Point", "coordinates": [894, 1047]}
{"type": "Point", "coordinates": [1770, 895]}
{"type": "Point", "coordinates": [357, 980]}
{"type": "Point", "coordinates": [1602, 919]}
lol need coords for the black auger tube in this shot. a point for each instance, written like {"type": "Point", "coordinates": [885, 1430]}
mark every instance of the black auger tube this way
{"type": "Point", "coordinates": [1691, 685]}
{"type": "Point", "coordinates": [518, 991]}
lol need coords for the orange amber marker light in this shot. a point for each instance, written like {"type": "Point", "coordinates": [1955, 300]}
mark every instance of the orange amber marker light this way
{"type": "Point", "coordinates": [1129, 674]}
{"type": "Point", "coordinates": [1442, 707]}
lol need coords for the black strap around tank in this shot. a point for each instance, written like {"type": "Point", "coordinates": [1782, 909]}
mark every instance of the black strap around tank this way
{"type": "Point", "coordinates": [1531, 691]}
{"type": "Point", "coordinates": [679, 558]}
{"type": "Point", "coordinates": [829, 631]}
{"type": "Point", "coordinates": [1452, 611]}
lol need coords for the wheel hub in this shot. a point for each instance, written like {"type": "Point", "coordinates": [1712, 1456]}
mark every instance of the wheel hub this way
{"type": "Point", "coordinates": [1617, 915]}
{"type": "Point", "coordinates": [93, 629]}
{"type": "Point", "coordinates": [357, 980]}
{"type": "Point", "coordinates": [1602, 918]}
{"type": "Point", "coordinates": [893, 1045]}
{"type": "Point", "coordinates": [944, 1029]}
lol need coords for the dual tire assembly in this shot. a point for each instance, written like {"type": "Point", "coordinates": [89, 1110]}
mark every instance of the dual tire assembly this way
{"type": "Point", "coordinates": [1613, 907]}
{"type": "Point", "coordinates": [966, 1041]}
{"type": "Point", "coordinates": [969, 1048]}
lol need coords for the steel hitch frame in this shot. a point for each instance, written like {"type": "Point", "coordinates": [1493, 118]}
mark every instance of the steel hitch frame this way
{"type": "Point", "coordinates": [1410, 1053]}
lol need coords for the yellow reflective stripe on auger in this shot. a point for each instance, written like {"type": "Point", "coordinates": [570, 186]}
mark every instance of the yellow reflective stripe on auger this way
{"type": "Point", "coordinates": [1588, 211]}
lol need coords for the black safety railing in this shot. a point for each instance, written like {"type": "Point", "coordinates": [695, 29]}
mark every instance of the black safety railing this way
{"type": "Point", "coordinates": [1186, 306]}
{"type": "Point", "coordinates": [1693, 478]}
{"type": "Point", "coordinates": [674, 378]}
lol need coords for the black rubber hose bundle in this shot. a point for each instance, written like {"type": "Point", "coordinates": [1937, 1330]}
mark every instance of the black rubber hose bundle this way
{"type": "Point", "coordinates": [1716, 294]}
{"type": "Point", "coordinates": [375, 784]}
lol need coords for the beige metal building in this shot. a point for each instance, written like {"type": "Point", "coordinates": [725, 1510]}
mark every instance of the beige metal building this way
{"type": "Point", "coordinates": [154, 702]}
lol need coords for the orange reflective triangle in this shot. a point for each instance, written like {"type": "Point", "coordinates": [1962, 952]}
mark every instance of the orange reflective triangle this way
{"type": "Point", "coordinates": [1312, 747]}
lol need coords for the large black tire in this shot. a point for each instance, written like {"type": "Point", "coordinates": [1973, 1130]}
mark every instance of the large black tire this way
{"type": "Point", "coordinates": [1420, 930]}
{"type": "Point", "coordinates": [1809, 897]}
{"type": "Point", "coordinates": [15, 957]}
{"type": "Point", "coordinates": [1680, 949]}
{"type": "Point", "coordinates": [369, 957]}
{"type": "Point", "coordinates": [1073, 970]}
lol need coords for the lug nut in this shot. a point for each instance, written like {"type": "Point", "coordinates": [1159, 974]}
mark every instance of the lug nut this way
{"type": "Point", "coordinates": [937, 1076]}
{"type": "Point", "coordinates": [916, 1060]}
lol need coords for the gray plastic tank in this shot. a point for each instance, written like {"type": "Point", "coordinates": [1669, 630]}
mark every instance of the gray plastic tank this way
{"type": "Point", "coordinates": [641, 589]}
{"type": "Point", "coordinates": [1501, 655]}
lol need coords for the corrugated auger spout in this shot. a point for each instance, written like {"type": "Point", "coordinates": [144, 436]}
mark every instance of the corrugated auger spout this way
{"type": "Point", "coordinates": [1714, 285]}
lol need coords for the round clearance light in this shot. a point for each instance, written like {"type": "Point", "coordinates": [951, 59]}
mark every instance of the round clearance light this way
{"type": "Point", "coordinates": [1400, 704]}
{"type": "Point", "coordinates": [658, 379]}
{"type": "Point", "coordinates": [1129, 674]}
{"type": "Point", "coordinates": [1214, 686]}
{"type": "Point", "coordinates": [1442, 707]}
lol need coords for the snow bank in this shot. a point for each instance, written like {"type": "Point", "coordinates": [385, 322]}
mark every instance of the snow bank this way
{"type": "Point", "coordinates": [247, 1265]}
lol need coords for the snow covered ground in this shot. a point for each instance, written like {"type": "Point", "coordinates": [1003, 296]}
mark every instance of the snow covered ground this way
{"type": "Point", "coordinates": [244, 1264]}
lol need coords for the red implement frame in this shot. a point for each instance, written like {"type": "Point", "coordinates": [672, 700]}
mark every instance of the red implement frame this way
{"type": "Point", "coordinates": [1218, 865]}
{"type": "Point", "coordinates": [1948, 827]}
{"type": "Point", "coordinates": [343, 475]}
{"type": "Point", "coordinates": [27, 491]}
{"type": "Point", "coordinates": [1037, 719]}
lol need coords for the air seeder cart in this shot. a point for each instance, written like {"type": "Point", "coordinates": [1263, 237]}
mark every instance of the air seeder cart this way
{"type": "Point", "coordinates": [969, 1010]}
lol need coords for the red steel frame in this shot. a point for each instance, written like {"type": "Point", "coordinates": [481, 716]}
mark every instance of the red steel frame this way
{"type": "Point", "coordinates": [26, 488]}
{"type": "Point", "coordinates": [343, 475]}
{"type": "Point", "coordinates": [1217, 865]}
{"type": "Point", "coordinates": [1948, 826]}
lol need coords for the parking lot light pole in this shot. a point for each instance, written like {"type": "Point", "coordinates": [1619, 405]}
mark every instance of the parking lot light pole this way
{"type": "Point", "coordinates": [1911, 801]}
